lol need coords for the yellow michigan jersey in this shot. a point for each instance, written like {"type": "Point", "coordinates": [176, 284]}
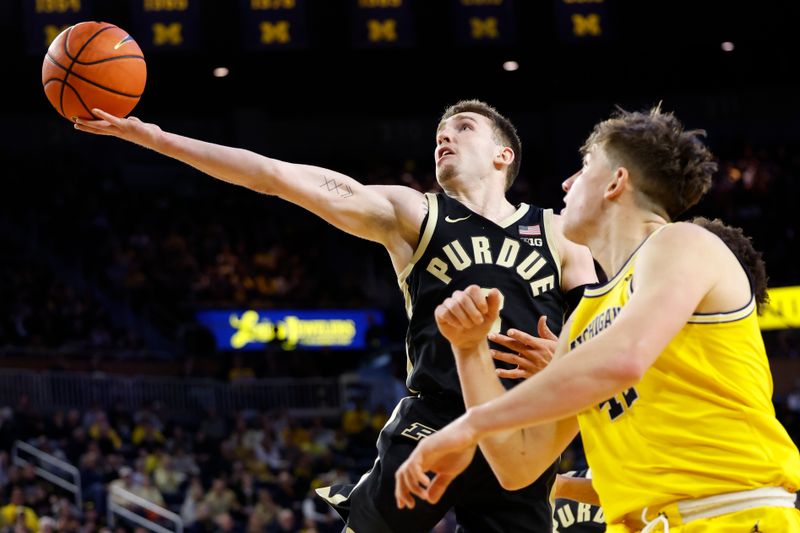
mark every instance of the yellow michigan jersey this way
{"type": "Point", "coordinates": [700, 422]}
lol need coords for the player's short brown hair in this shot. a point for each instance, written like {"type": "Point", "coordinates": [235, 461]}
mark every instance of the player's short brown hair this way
{"type": "Point", "coordinates": [504, 131]}
{"type": "Point", "coordinates": [670, 166]}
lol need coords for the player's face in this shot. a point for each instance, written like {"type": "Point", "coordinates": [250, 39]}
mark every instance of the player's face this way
{"type": "Point", "coordinates": [465, 145]}
{"type": "Point", "coordinates": [584, 203]}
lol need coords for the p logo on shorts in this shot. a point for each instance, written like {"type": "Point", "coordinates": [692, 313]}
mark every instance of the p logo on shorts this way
{"type": "Point", "coordinates": [418, 431]}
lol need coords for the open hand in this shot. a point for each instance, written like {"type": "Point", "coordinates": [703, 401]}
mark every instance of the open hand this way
{"type": "Point", "coordinates": [130, 129]}
{"type": "Point", "coordinates": [446, 453]}
{"type": "Point", "coordinates": [529, 353]}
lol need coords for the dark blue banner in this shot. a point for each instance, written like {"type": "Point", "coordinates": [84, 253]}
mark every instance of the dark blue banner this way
{"type": "Point", "coordinates": [273, 24]}
{"type": "Point", "coordinates": [160, 25]}
{"type": "Point", "coordinates": [382, 23]}
{"type": "Point", "coordinates": [249, 329]}
{"type": "Point", "coordinates": [45, 19]}
{"type": "Point", "coordinates": [484, 22]}
{"type": "Point", "coordinates": [583, 20]}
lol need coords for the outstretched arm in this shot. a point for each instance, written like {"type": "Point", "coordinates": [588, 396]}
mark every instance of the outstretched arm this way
{"type": "Point", "coordinates": [384, 214]}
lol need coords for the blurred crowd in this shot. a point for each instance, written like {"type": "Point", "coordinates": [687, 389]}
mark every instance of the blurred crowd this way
{"type": "Point", "coordinates": [248, 472]}
{"type": "Point", "coordinates": [162, 253]}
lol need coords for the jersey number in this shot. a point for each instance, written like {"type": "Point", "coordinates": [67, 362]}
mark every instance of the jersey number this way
{"type": "Point", "coordinates": [496, 324]}
{"type": "Point", "coordinates": [615, 408]}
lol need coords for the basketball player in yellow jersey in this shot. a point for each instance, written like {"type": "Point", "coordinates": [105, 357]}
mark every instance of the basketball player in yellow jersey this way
{"type": "Point", "coordinates": [663, 366]}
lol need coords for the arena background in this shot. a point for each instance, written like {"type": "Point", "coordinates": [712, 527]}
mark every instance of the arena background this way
{"type": "Point", "coordinates": [117, 265]}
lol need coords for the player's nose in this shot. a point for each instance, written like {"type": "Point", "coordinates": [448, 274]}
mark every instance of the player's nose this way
{"type": "Point", "coordinates": [566, 185]}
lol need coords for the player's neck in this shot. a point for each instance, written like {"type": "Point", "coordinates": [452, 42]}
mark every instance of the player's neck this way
{"type": "Point", "coordinates": [620, 236]}
{"type": "Point", "coordinates": [485, 197]}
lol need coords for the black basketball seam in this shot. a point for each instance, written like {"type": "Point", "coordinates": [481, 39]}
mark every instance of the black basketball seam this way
{"type": "Point", "coordinates": [113, 91]}
{"type": "Point", "coordinates": [74, 59]}
{"type": "Point", "coordinates": [65, 84]}
{"type": "Point", "coordinates": [108, 59]}
{"type": "Point", "coordinates": [90, 39]}
{"type": "Point", "coordinates": [59, 65]}
{"type": "Point", "coordinates": [56, 63]}
{"type": "Point", "coordinates": [61, 94]}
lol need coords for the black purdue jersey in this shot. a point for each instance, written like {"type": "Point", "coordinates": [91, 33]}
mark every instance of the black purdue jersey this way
{"type": "Point", "coordinates": [458, 248]}
{"type": "Point", "coordinates": [573, 517]}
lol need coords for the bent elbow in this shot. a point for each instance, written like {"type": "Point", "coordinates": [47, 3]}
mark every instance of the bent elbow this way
{"type": "Point", "coordinates": [268, 177]}
{"type": "Point", "coordinates": [511, 483]}
{"type": "Point", "coordinates": [630, 367]}
{"type": "Point", "coordinates": [519, 477]}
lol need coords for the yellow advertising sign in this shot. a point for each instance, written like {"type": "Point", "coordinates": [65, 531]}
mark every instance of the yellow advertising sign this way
{"type": "Point", "coordinates": [783, 309]}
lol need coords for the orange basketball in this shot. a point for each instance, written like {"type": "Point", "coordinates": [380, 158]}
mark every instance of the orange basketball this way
{"type": "Point", "coordinates": [93, 65]}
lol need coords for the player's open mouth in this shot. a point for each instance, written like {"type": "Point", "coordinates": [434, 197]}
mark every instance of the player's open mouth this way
{"type": "Point", "coordinates": [443, 152]}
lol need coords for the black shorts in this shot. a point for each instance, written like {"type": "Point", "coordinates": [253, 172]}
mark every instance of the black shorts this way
{"type": "Point", "coordinates": [481, 504]}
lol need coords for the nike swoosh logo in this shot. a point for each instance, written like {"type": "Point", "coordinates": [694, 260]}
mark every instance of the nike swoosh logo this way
{"type": "Point", "coordinates": [451, 220]}
{"type": "Point", "coordinates": [127, 38]}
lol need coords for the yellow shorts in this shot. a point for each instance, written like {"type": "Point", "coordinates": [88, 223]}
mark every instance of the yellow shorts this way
{"type": "Point", "coordinates": [758, 520]}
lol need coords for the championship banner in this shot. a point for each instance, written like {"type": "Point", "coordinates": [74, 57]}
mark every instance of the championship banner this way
{"type": "Point", "coordinates": [160, 25]}
{"type": "Point", "coordinates": [583, 20]}
{"type": "Point", "coordinates": [45, 19]}
{"type": "Point", "coordinates": [251, 329]}
{"type": "Point", "coordinates": [382, 23]}
{"type": "Point", "coordinates": [273, 24]}
{"type": "Point", "coordinates": [783, 309]}
{"type": "Point", "coordinates": [484, 22]}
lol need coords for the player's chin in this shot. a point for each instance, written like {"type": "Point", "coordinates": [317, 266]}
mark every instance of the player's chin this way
{"type": "Point", "coordinates": [571, 228]}
{"type": "Point", "coordinates": [445, 172]}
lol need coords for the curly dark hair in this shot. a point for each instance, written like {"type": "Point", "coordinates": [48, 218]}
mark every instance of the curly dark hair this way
{"type": "Point", "coordinates": [670, 166]}
{"type": "Point", "coordinates": [504, 131]}
{"type": "Point", "coordinates": [742, 247]}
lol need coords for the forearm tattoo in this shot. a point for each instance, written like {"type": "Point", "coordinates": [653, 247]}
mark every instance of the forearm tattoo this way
{"type": "Point", "coordinates": [342, 190]}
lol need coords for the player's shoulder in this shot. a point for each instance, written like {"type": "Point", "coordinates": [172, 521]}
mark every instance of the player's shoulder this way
{"type": "Point", "coordinates": [402, 192]}
{"type": "Point", "coordinates": [684, 238]}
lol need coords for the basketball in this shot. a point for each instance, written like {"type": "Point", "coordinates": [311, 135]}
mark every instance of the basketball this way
{"type": "Point", "coordinates": [93, 65]}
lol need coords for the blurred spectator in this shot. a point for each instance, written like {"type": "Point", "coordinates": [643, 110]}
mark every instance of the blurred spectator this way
{"type": "Point", "coordinates": [220, 499]}
{"type": "Point", "coordinates": [265, 509]}
{"type": "Point", "coordinates": [319, 515]}
{"type": "Point", "coordinates": [146, 434]}
{"type": "Point", "coordinates": [16, 512]}
{"type": "Point", "coordinates": [192, 502]}
{"type": "Point", "coordinates": [47, 525]}
{"type": "Point", "coordinates": [102, 432]}
{"type": "Point", "coordinates": [125, 482]}
{"type": "Point", "coordinates": [285, 522]}
{"type": "Point", "coordinates": [168, 480]}
{"type": "Point", "coordinates": [184, 463]}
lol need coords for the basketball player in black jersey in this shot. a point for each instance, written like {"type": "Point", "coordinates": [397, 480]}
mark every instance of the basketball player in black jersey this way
{"type": "Point", "coordinates": [437, 243]}
{"type": "Point", "coordinates": [570, 515]}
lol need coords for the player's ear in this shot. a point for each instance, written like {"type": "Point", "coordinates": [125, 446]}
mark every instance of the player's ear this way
{"type": "Point", "coordinates": [618, 183]}
{"type": "Point", "coordinates": [504, 156]}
